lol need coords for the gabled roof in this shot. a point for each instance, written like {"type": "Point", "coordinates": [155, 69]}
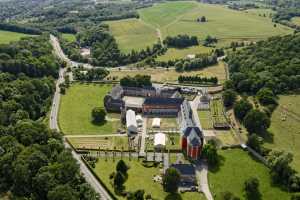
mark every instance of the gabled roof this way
{"type": "Point", "coordinates": [163, 101]}
{"type": "Point", "coordinates": [195, 130]}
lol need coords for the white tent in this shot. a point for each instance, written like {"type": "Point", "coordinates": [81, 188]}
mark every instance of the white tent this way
{"type": "Point", "coordinates": [139, 119]}
{"type": "Point", "coordinates": [159, 140]}
{"type": "Point", "coordinates": [156, 123]}
{"type": "Point", "coordinates": [131, 122]}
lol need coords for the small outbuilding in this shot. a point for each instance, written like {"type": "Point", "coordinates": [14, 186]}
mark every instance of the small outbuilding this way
{"type": "Point", "coordinates": [159, 140]}
{"type": "Point", "coordinates": [131, 122]}
{"type": "Point", "coordinates": [156, 123]}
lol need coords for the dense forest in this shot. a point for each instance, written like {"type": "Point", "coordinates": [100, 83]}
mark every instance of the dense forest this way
{"type": "Point", "coordinates": [33, 161]}
{"type": "Point", "coordinates": [181, 41]}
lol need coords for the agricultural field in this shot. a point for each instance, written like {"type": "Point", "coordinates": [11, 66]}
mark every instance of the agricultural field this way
{"type": "Point", "coordinates": [170, 75]}
{"type": "Point", "coordinates": [8, 36]}
{"type": "Point", "coordinates": [104, 143]}
{"type": "Point", "coordinates": [75, 110]}
{"type": "Point", "coordinates": [236, 167]}
{"type": "Point", "coordinates": [135, 181]}
{"type": "Point", "coordinates": [69, 37]}
{"type": "Point", "coordinates": [180, 17]}
{"type": "Point", "coordinates": [296, 20]}
{"type": "Point", "coordinates": [132, 34]}
{"type": "Point", "coordinates": [217, 112]}
{"type": "Point", "coordinates": [285, 127]}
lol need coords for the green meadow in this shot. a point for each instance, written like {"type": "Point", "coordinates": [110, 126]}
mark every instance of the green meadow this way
{"type": "Point", "coordinates": [69, 37]}
{"type": "Point", "coordinates": [8, 36]}
{"type": "Point", "coordinates": [296, 20]}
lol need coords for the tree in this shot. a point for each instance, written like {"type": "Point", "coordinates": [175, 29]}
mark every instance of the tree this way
{"type": "Point", "coordinates": [171, 180]}
{"type": "Point", "coordinates": [211, 154]}
{"type": "Point", "coordinates": [295, 196]}
{"type": "Point", "coordinates": [98, 114]}
{"type": "Point", "coordinates": [119, 180]}
{"type": "Point", "coordinates": [266, 96]}
{"type": "Point", "coordinates": [137, 195]}
{"type": "Point", "coordinates": [251, 188]}
{"type": "Point", "coordinates": [229, 97]}
{"type": "Point", "coordinates": [241, 108]}
{"type": "Point", "coordinates": [203, 19]}
{"type": "Point", "coordinates": [62, 192]}
{"type": "Point", "coordinates": [256, 122]}
{"type": "Point", "coordinates": [254, 142]}
{"type": "Point", "coordinates": [122, 167]}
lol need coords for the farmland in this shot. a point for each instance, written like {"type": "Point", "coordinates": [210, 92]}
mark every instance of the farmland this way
{"type": "Point", "coordinates": [236, 167]}
{"type": "Point", "coordinates": [8, 36]}
{"type": "Point", "coordinates": [285, 126]}
{"type": "Point", "coordinates": [76, 106]}
{"type": "Point", "coordinates": [135, 181]}
{"type": "Point", "coordinates": [173, 18]}
{"type": "Point", "coordinates": [170, 75]}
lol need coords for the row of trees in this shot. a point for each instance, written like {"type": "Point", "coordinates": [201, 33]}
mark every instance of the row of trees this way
{"type": "Point", "coordinates": [94, 74]}
{"type": "Point", "coordinates": [136, 81]}
{"type": "Point", "coordinates": [181, 41]}
{"type": "Point", "coordinates": [197, 79]}
{"type": "Point", "coordinates": [33, 161]}
{"type": "Point", "coordinates": [199, 62]}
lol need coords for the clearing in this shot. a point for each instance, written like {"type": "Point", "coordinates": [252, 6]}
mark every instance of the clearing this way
{"type": "Point", "coordinates": [8, 36]}
{"type": "Point", "coordinates": [76, 107]}
{"type": "Point", "coordinates": [285, 127]}
{"type": "Point", "coordinates": [69, 37]}
{"type": "Point", "coordinates": [237, 166]}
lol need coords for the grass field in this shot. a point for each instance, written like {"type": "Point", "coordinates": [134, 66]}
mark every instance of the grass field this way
{"type": "Point", "coordinates": [164, 75]}
{"type": "Point", "coordinates": [135, 181]}
{"type": "Point", "coordinates": [133, 34]}
{"type": "Point", "coordinates": [236, 168]}
{"type": "Point", "coordinates": [8, 36]}
{"type": "Point", "coordinates": [69, 37]}
{"type": "Point", "coordinates": [205, 119]}
{"type": "Point", "coordinates": [76, 106]}
{"type": "Point", "coordinates": [296, 20]}
{"type": "Point", "coordinates": [285, 126]}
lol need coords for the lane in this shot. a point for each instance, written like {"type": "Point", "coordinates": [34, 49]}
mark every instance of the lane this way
{"type": "Point", "coordinates": [54, 124]}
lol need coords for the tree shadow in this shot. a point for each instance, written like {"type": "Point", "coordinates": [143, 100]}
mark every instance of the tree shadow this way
{"type": "Point", "coordinates": [253, 196]}
{"type": "Point", "coordinates": [98, 123]}
{"type": "Point", "coordinates": [173, 196]}
{"type": "Point", "coordinates": [268, 137]}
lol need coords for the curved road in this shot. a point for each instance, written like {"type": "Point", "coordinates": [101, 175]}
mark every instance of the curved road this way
{"type": "Point", "coordinates": [54, 125]}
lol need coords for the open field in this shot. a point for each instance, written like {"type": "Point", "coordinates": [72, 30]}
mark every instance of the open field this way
{"type": "Point", "coordinates": [132, 34]}
{"type": "Point", "coordinates": [69, 37]}
{"type": "Point", "coordinates": [104, 143]}
{"type": "Point", "coordinates": [170, 75]}
{"type": "Point", "coordinates": [76, 107]}
{"type": "Point", "coordinates": [205, 119]}
{"type": "Point", "coordinates": [296, 20]}
{"type": "Point", "coordinates": [174, 53]}
{"type": "Point", "coordinates": [8, 36]}
{"type": "Point", "coordinates": [226, 138]}
{"type": "Point", "coordinates": [135, 181]}
{"type": "Point", "coordinates": [165, 123]}
{"type": "Point", "coordinates": [285, 127]}
{"type": "Point", "coordinates": [236, 168]}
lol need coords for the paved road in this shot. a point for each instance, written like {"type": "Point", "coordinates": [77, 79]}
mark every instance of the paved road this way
{"type": "Point", "coordinates": [54, 125]}
{"type": "Point", "coordinates": [201, 173]}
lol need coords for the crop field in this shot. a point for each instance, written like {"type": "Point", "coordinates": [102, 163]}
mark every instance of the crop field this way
{"type": "Point", "coordinates": [296, 20]}
{"type": "Point", "coordinates": [170, 75]}
{"type": "Point", "coordinates": [236, 167]}
{"type": "Point", "coordinates": [132, 34]}
{"type": "Point", "coordinates": [104, 143]}
{"type": "Point", "coordinates": [76, 107]}
{"type": "Point", "coordinates": [8, 36]}
{"type": "Point", "coordinates": [217, 112]}
{"type": "Point", "coordinates": [285, 127]}
{"type": "Point", "coordinates": [135, 181]}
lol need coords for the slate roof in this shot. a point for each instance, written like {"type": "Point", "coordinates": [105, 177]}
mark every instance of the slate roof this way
{"type": "Point", "coordinates": [163, 101]}
{"type": "Point", "coordinates": [185, 169]}
{"type": "Point", "coordinates": [188, 131]}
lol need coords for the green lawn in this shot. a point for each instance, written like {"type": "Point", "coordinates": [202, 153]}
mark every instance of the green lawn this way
{"type": "Point", "coordinates": [296, 20]}
{"type": "Point", "coordinates": [76, 106]}
{"type": "Point", "coordinates": [8, 36]}
{"type": "Point", "coordinates": [205, 119]}
{"type": "Point", "coordinates": [237, 167]}
{"type": "Point", "coordinates": [69, 37]}
{"type": "Point", "coordinates": [285, 126]}
{"type": "Point", "coordinates": [135, 181]}
{"type": "Point", "coordinates": [133, 34]}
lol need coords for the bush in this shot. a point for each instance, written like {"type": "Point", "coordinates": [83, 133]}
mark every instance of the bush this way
{"type": "Point", "coordinates": [98, 115]}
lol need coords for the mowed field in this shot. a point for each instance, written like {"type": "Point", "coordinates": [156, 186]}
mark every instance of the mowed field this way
{"type": "Point", "coordinates": [285, 127]}
{"type": "Point", "coordinates": [171, 76]}
{"type": "Point", "coordinates": [133, 34]}
{"type": "Point", "coordinates": [76, 107]}
{"type": "Point", "coordinates": [8, 36]}
{"type": "Point", "coordinates": [179, 17]}
{"type": "Point", "coordinates": [237, 166]}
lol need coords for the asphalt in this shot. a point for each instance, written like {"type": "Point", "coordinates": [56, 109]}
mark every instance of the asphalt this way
{"type": "Point", "coordinates": [54, 124]}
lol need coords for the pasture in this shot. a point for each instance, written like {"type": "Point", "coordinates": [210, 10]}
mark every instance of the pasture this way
{"type": "Point", "coordinates": [132, 34]}
{"type": "Point", "coordinates": [285, 127]}
{"type": "Point", "coordinates": [8, 36]}
{"type": "Point", "coordinates": [170, 75]}
{"type": "Point", "coordinates": [235, 168]}
{"type": "Point", "coordinates": [135, 181]}
{"type": "Point", "coordinates": [75, 110]}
